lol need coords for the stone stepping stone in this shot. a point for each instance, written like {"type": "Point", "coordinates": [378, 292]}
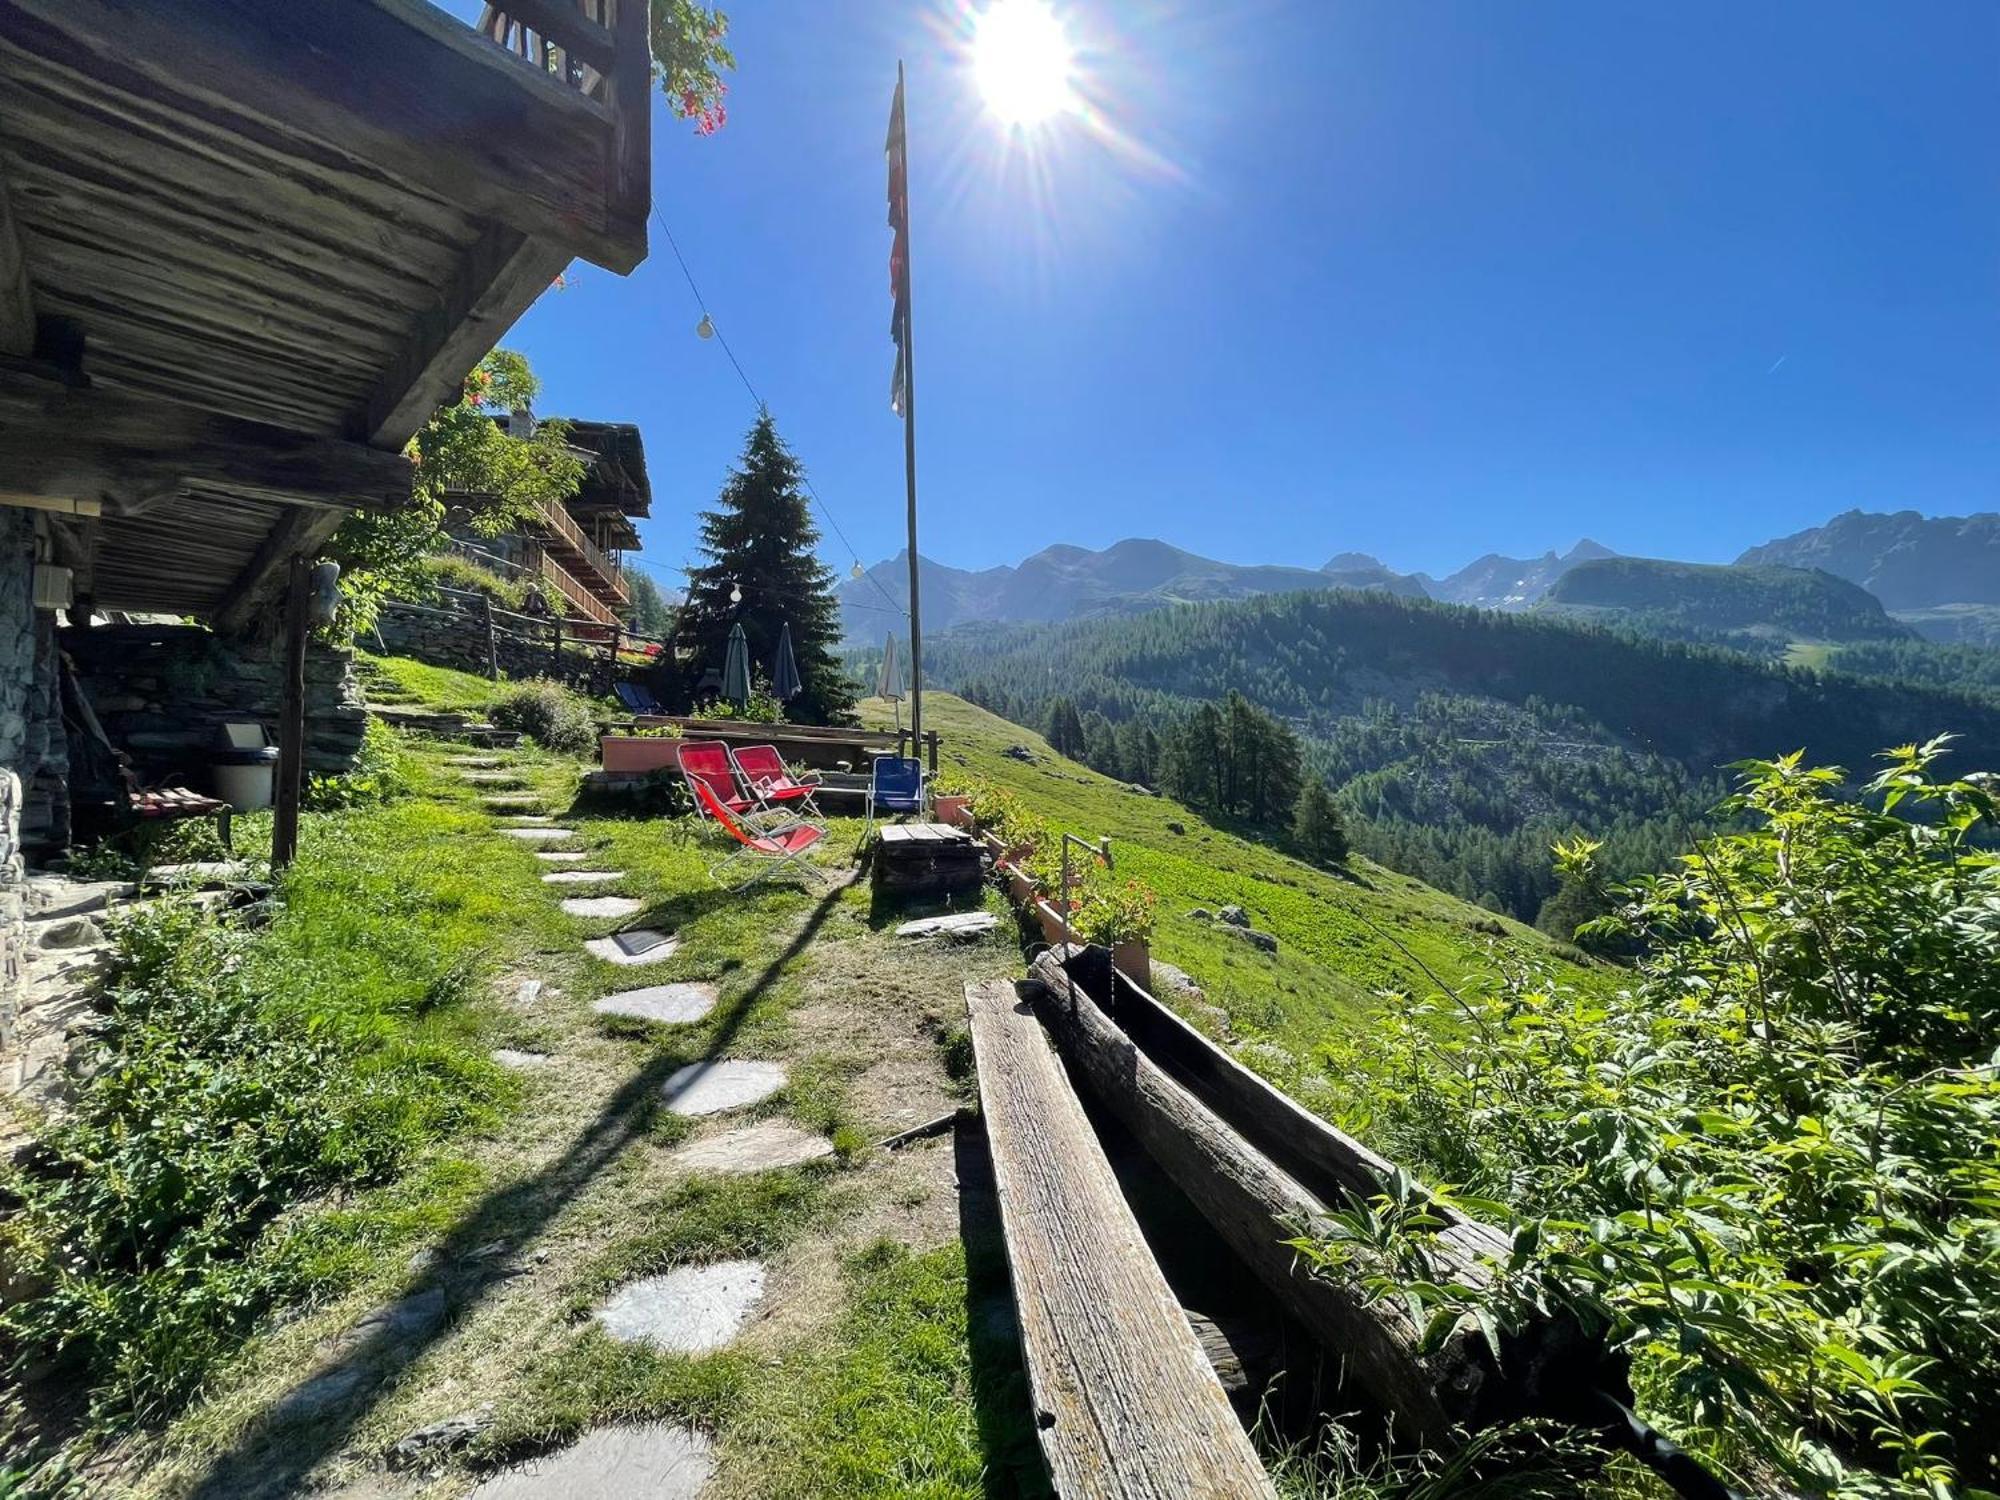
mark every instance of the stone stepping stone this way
{"type": "Point", "coordinates": [560, 856]}
{"type": "Point", "coordinates": [477, 762]}
{"type": "Point", "coordinates": [671, 1004]}
{"type": "Point", "coordinates": [763, 1147]}
{"type": "Point", "coordinates": [491, 778]}
{"type": "Point", "coordinates": [603, 906]}
{"type": "Point", "coordinates": [639, 945]}
{"type": "Point", "coordinates": [539, 835]}
{"type": "Point", "coordinates": [969, 924]}
{"type": "Point", "coordinates": [529, 820]}
{"type": "Point", "coordinates": [581, 877]}
{"type": "Point", "coordinates": [505, 800]}
{"type": "Point", "coordinates": [521, 1062]}
{"type": "Point", "coordinates": [200, 872]}
{"type": "Point", "coordinates": [652, 1459]}
{"type": "Point", "coordinates": [690, 1310]}
{"type": "Point", "coordinates": [529, 992]}
{"type": "Point", "coordinates": [709, 1088]}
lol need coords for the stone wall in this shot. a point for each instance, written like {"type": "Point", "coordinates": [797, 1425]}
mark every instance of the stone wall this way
{"type": "Point", "coordinates": [18, 642]}
{"type": "Point", "coordinates": [160, 692]}
{"type": "Point", "coordinates": [448, 639]}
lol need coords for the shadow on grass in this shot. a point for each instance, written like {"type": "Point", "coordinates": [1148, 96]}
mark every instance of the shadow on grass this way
{"type": "Point", "coordinates": [1000, 1398]}
{"type": "Point", "coordinates": [311, 1420]}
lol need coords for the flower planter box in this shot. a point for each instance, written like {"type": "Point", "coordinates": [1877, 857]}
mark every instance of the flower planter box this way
{"type": "Point", "coordinates": [625, 752]}
{"type": "Point", "coordinates": [1051, 920]}
{"type": "Point", "coordinates": [1134, 959]}
{"type": "Point", "coordinates": [1019, 885]}
{"type": "Point", "coordinates": [953, 810]}
{"type": "Point", "coordinates": [993, 844]}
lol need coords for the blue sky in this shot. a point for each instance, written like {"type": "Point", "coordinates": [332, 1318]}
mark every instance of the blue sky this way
{"type": "Point", "coordinates": [1424, 280]}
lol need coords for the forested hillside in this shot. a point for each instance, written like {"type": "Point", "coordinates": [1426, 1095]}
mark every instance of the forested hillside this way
{"type": "Point", "coordinates": [1760, 609]}
{"type": "Point", "coordinates": [1460, 743]}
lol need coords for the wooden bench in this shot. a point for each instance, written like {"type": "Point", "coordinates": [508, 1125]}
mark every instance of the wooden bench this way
{"type": "Point", "coordinates": [1126, 1404]}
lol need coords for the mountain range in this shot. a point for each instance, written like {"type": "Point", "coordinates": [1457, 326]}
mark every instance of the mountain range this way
{"type": "Point", "coordinates": [1937, 575]}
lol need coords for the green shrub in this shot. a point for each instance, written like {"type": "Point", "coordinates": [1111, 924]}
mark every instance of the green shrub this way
{"type": "Point", "coordinates": [377, 776]}
{"type": "Point", "coordinates": [548, 713]}
{"type": "Point", "coordinates": [1770, 1164]}
{"type": "Point", "coordinates": [449, 570]}
{"type": "Point", "coordinates": [214, 1107]}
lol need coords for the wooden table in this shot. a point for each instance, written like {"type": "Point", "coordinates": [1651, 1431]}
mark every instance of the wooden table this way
{"type": "Point", "coordinates": [927, 859]}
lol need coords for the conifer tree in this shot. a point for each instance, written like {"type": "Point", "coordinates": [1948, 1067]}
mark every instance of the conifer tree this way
{"type": "Point", "coordinates": [1065, 731]}
{"type": "Point", "coordinates": [761, 540]}
{"type": "Point", "coordinates": [1317, 827]}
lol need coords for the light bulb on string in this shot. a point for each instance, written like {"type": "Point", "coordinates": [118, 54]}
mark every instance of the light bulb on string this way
{"type": "Point", "coordinates": [859, 571]}
{"type": "Point", "coordinates": [735, 593]}
{"type": "Point", "coordinates": [705, 328]}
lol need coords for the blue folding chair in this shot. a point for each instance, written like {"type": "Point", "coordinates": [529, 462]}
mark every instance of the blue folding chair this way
{"type": "Point", "coordinates": [896, 785]}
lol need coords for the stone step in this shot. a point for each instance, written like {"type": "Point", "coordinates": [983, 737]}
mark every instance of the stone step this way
{"type": "Point", "coordinates": [638, 945]}
{"type": "Point", "coordinates": [689, 1310]}
{"type": "Point", "coordinates": [709, 1088]}
{"type": "Point", "coordinates": [669, 1004]}
{"type": "Point", "coordinates": [653, 1460]}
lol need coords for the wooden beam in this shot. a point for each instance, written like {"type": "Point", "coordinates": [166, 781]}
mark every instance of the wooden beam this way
{"type": "Point", "coordinates": [297, 533]}
{"type": "Point", "coordinates": [569, 28]}
{"type": "Point", "coordinates": [68, 443]}
{"type": "Point", "coordinates": [17, 305]}
{"type": "Point", "coordinates": [400, 89]}
{"type": "Point", "coordinates": [498, 279]}
{"type": "Point", "coordinates": [1256, 1207]}
{"type": "Point", "coordinates": [291, 720]}
{"type": "Point", "coordinates": [1126, 1404]}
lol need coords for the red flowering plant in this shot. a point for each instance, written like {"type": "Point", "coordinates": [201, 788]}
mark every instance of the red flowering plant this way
{"type": "Point", "coordinates": [689, 57]}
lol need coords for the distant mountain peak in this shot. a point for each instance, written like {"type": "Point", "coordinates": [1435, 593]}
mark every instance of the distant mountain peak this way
{"type": "Point", "coordinates": [1350, 562]}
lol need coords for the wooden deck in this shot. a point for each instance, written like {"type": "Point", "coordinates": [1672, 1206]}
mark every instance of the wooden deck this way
{"type": "Point", "coordinates": [1126, 1403]}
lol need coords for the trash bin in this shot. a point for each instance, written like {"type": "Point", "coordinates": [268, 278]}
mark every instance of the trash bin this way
{"type": "Point", "coordinates": [245, 766]}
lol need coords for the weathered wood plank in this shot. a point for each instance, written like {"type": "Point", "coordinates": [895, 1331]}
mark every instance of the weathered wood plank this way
{"type": "Point", "coordinates": [1255, 1207]}
{"type": "Point", "coordinates": [17, 306]}
{"type": "Point", "coordinates": [498, 279]}
{"type": "Point", "coordinates": [250, 599]}
{"type": "Point", "coordinates": [402, 87]}
{"type": "Point", "coordinates": [98, 443]}
{"type": "Point", "coordinates": [1126, 1404]}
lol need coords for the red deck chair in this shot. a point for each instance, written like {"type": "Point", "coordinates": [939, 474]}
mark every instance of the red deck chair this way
{"type": "Point", "coordinates": [781, 844]}
{"type": "Point", "coordinates": [706, 763]}
{"type": "Point", "coordinates": [763, 771]}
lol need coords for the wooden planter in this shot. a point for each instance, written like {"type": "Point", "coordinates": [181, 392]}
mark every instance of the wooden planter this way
{"type": "Point", "coordinates": [1051, 920]}
{"type": "Point", "coordinates": [1019, 886]}
{"type": "Point", "coordinates": [953, 810]}
{"type": "Point", "coordinates": [625, 752]}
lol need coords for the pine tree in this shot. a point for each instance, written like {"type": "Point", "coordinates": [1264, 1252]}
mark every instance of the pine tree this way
{"type": "Point", "coordinates": [1317, 827]}
{"type": "Point", "coordinates": [761, 541]}
{"type": "Point", "coordinates": [1065, 731]}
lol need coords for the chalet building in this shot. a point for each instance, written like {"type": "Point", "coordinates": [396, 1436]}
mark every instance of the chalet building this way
{"type": "Point", "coordinates": [245, 251]}
{"type": "Point", "coordinates": [573, 551]}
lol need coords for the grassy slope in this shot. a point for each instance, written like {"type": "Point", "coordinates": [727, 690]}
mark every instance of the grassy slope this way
{"type": "Point", "coordinates": [866, 1361]}
{"type": "Point", "coordinates": [1342, 941]}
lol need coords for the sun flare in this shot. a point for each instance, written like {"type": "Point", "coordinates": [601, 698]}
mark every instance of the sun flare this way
{"type": "Point", "coordinates": [1022, 60]}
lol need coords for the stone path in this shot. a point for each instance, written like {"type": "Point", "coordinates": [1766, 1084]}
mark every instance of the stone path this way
{"type": "Point", "coordinates": [969, 924]}
{"type": "Point", "coordinates": [654, 1461]}
{"type": "Point", "coordinates": [603, 906]}
{"type": "Point", "coordinates": [689, 1310]}
{"type": "Point", "coordinates": [761, 1147]}
{"type": "Point", "coordinates": [672, 1004]}
{"type": "Point", "coordinates": [491, 778]}
{"type": "Point", "coordinates": [560, 857]}
{"type": "Point", "coordinates": [478, 762]}
{"type": "Point", "coordinates": [539, 835]}
{"type": "Point", "coordinates": [637, 945]}
{"type": "Point", "coordinates": [709, 1088]}
{"type": "Point", "coordinates": [581, 877]}
{"type": "Point", "coordinates": [502, 801]}
{"type": "Point", "coordinates": [521, 1062]}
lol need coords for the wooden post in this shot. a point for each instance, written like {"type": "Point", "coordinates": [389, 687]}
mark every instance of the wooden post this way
{"type": "Point", "coordinates": [492, 645]}
{"type": "Point", "coordinates": [555, 649]}
{"type": "Point", "coordinates": [931, 745]}
{"type": "Point", "coordinates": [292, 721]}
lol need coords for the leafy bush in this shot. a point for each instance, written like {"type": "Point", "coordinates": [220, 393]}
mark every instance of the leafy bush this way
{"type": "Point", "coordinates": [1116, 911]}
{"type": "Point", "coordinates": [141, 1232]}
{"type": "Point", "coordinates": [449, 570]}
{"type": "Point", "coordinates": [1769, 1165]}
{"type": "Point", "coordinates": [377, 775]}
{"type": "Point", "coordinates": [548, 713]}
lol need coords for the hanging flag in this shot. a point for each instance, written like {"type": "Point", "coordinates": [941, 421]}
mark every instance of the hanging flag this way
{"type": "Point", "coordinates": [899, 250]}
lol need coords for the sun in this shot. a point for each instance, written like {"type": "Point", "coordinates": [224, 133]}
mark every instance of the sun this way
{"type": "Point", "coordinates": [1022, 60]}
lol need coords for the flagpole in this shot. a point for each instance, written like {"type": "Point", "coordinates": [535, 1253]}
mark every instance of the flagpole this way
{"type": "Point", "coordinates": [910, 451]}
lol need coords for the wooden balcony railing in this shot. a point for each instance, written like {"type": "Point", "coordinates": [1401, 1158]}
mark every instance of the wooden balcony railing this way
{"type": "Point", "coordinates": [564, 535]}
{"type": "Point", "coordinates": [603, 50]}
{"type": "Point", "coordinates": [580, 598]}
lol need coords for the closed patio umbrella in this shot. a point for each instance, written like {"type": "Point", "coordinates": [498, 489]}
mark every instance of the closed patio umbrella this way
{"type": "Point", "coordinates": [889, 681]}
{"type": "Point", "coordinates": [736, 667]}
{"type": "Point", "coordinates": [785, 670]}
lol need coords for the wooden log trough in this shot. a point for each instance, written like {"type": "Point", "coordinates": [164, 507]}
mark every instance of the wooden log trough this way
{"type": "Point", "coordinates": [1259, 1168]}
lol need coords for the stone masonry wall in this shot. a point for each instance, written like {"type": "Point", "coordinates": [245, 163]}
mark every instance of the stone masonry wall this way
{"type": "Point", "coordinates": [445, 639]}
{"type": "Point", "coordinates": [160, 692]}
{"type": "Point", "coordinates": [17, 683]}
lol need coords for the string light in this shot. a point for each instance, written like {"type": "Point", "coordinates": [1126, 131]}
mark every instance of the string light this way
{"type": "Point", "coordinates": [705, 328]}
{"type": "Point", "coordinates": [735, 593]}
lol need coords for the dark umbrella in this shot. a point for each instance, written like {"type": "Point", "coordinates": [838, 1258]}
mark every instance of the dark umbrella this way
{"type": "Point", "coordinates": [736, 667]}
{"type": "Point", "coordinates": [785, 671]}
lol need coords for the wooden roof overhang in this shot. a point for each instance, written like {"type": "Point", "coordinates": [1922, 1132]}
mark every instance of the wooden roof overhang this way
{"type": "Point", "coordinates": [246, 248]}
